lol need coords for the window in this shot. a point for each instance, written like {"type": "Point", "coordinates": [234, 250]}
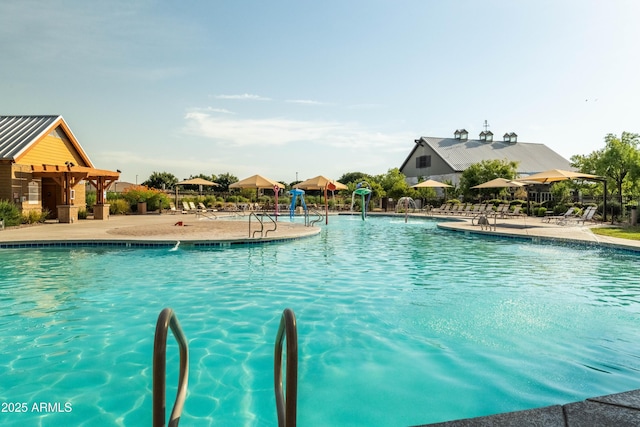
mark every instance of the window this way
{"type": "Point", "coordinates": [33, 192]}
{"type": "Point", "coordinates": [423, 162]}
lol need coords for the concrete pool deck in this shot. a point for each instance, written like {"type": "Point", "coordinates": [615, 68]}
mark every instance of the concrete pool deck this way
{"type": "Point", "coordinates": [621, 409]}
{"type": "Point", "coordinates": [154, 230]}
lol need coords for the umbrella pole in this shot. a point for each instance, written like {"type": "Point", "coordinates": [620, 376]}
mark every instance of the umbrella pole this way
{"type": "Point", "coordinates": [326, 207]}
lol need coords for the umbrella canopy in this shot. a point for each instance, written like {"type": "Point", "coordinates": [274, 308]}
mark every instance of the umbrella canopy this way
{"type": "Point", "coordinates": [256, 181]}
{"type": "Point", "coordinates": [430, 183]}
{"type": "Point", "coordinates": [198, 181]}
{"type": "Point", "coordinates": [554, 175]}
{"type": "Point", "coordinates": [319, 183]}
{"type": "Point", "coordinates": [500, 183]}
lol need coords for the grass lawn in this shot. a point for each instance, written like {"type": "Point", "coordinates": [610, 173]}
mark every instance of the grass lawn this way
{"type": "Point", "coordinates": [631, 233]}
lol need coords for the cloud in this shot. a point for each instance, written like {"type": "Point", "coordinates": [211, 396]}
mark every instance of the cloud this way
{"type": "Point", "coordinates": [244, 97]}
{"type": "Point", "coordinates": [282, 131]}
{"type": "Point", "coordinates": [305, 102]}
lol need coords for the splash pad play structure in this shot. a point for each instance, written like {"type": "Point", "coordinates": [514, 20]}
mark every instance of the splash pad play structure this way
{"type": "Point", "coordinates": [406, 203]}
{"type": "Point", "coordinates": [362, 189]}
{"type": "Point", "coordinates": [295, 194]}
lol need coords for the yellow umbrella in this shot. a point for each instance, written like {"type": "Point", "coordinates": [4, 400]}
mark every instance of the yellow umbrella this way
{"type": "Point", "coordinates": [499, 183]}
{"type": "Point", "coordinates": [319, 183]}
{"type": "Point", "coordinates": [198, 181]}
{"type": "Point", "coordinates": [430, 183]}
{"type": "Point", "coordinates": [322, 183]}
{"type": "Point", "coordinates": [256, 181]}
{"type": "Point", "coordinates": [554, 175]}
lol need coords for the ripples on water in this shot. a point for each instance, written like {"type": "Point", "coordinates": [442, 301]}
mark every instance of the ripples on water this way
{"type": "Point", "coordinates": [399, 324]}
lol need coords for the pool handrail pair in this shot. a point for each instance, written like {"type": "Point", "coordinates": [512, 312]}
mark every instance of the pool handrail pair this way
{"type": "Point", "coordinates": [286, 405]}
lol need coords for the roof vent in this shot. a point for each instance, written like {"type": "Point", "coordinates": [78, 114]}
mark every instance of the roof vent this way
{"type": "Point", "coordinates": [511, 137]}
{"type": "Point", "coordinates": [486, 136]}
{"type": "Point", "coordinates": [461, 134]}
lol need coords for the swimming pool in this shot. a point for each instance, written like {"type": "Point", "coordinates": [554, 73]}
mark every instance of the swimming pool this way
{"type": "Point", "coordinates": [398, 324]}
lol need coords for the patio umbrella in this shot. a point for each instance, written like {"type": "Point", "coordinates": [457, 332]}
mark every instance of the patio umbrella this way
{"type": "Point", "coordinates": [196, 181]}
{"type": "Point", "coordinates": [554, 175]}
{"type": "Point", "coordinates": [430, 183]}
{"type": "Point", "coordinates": [500, 183]}
{"type": "Point", "coordinates": [322, 183]}
{"type": "Point", "coordinates": [319, 183]}
{"type": "Point", "coordinates": [258, 182]}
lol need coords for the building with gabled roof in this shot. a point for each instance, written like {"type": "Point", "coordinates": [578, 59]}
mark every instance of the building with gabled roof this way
{"type": "Point", "coordinates": [446, 158]}
{"type": "Point", "coordinates": [44, 167]}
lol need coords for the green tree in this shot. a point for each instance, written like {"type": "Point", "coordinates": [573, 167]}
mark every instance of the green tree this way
{"type": "Point", "coordinates": [225, 180]}
{"type": "Point", "coordinates": [484, 171]}
{"type": "Point", "coordinates": [394, 184]}
{"type": "Point", "coordinates": [158, 179]}
{"type": "Point", "coordinates": [618, 162]}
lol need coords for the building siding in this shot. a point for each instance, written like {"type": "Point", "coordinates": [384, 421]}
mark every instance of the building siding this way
{"type": "Point", "coordinates": [52, 150]}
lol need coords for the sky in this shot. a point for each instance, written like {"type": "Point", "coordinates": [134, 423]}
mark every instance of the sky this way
{"type": "Point", "coordinates": [295, 89]}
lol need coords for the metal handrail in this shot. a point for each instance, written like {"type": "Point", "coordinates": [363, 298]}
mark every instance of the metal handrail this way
{"type": "Point", "coordinates": [286, 406]}
{"type": "Point", "coordinates": [270, 218]}
{"type": "Point", "coordinates": [167, 319]}
{"type": "Point", "coordinates": [252, 214]}
{"type": "Point", "coordinates": [318, 219]}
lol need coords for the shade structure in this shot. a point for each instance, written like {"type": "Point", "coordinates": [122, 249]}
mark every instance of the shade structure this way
{"type": "Point", "coordinates": [256, 181]}
{"type": "Point", "coordinates": [500, 183]}
{"type": "Point", "coordinates": [198, 181]}
{"type": "Point", "coordinates": [430, 183]}
{"type": "Point", "coordinates": [554, 175]}
{"type": "Point", "coordinates": [319, 183]}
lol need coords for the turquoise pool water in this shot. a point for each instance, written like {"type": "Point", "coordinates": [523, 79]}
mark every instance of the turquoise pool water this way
{"type": "Point", "coordinates": [398, 323]}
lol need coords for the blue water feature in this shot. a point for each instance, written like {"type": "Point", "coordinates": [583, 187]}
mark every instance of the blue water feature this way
{"type": "Point", "coordinates": [295, 194]}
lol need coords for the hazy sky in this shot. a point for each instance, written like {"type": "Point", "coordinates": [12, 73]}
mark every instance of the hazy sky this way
{"type": "Point", "coordinates": [300, 88]}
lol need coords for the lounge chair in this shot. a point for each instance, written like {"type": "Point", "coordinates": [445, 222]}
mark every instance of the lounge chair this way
{"type": "Point", "coordinates": [192, 207]}
{"type": "Point", "coordinates": [203, 208]}
{"type": "Point", "coordinates": [557, 218]}
{"type": "Point", "coordinates": [516, 211]}
{"type": "Point", "coordinates": [587, 215]}
{"type": "Point", "coordinates": [441, 209]}
{"type": "Point", "coordinates": [172, 209]}
{"type": "Point", "coordinates": [186, 208]}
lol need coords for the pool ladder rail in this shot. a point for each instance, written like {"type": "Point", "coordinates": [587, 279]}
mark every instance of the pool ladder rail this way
{"type": "Point", "coordinates": [261, 219]}
{"type": "Point", "coordinates": [286, 404]}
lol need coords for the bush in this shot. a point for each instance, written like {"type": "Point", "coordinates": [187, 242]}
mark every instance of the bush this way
{"type": "Point", "coordinates": [119, 207]}
{"type": "Point", "coordinates": [9, 213]}
{"type": "Point", "coordinates": [155, 199]}
{"type": "Point", "coordinates": [541, 211]}
{"type": "Point", "coordinates": [82, 214]}
{"type": "Point", "coordinates": [34, 217]}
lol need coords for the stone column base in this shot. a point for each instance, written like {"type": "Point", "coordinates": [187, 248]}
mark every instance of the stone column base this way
{"type": "Point", "coordinates": [67, 213]}
{"type": "Point", "coordinates": [101, 211]}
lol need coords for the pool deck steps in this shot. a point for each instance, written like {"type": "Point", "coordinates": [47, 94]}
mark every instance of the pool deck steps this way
{"type": "Point", "coordinates": [619, 410]}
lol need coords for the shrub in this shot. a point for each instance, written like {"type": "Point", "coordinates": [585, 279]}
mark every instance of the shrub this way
{"type": "Point", "coordinates": [33, 217]}
{"type": "Point", "coordinates": [82, 214]}
{"type": "Point", "coordinates": [119, 207]}
{"type": "Point", "coordinates": [9, 213]}
{"type": "Point", "coordinates": [154, 198]}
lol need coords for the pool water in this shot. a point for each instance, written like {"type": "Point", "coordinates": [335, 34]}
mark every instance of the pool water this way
{"type": "Point", "coordinates": [398, 324]}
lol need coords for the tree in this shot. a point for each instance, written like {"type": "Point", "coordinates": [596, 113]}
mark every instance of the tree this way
{"type": "Point", "coordinates": [394, 184]}
{"type": "Point", "coordinates": [225, 180]}
{"type": "Point", "coordinates": [161, 181]}
{"type": "Point", "coordinates": [618, 161]}
{"type": "Point", "coordinates": [484, 171]}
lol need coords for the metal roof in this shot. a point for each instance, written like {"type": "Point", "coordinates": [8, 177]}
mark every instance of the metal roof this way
{"type": "Point", "coordinates": [18, 132]}
{"type": "Point", "coordinates": [531, 157]}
